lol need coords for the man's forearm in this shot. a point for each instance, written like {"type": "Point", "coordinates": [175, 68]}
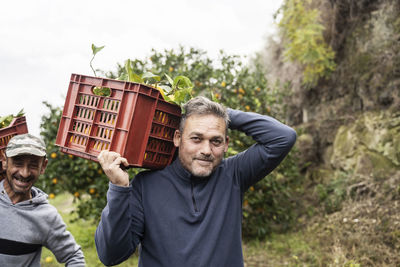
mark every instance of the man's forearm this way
{"type": "Point", "coordinates": [265, 130]}
{"type": "Point", "coordinates": [274, 141]}
{"type": "Point", "coordinates": [113, 236]}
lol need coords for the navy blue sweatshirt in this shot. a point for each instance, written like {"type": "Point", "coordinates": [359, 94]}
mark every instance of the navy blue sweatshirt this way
{"type": "Point", "coordinates": [183, 221]}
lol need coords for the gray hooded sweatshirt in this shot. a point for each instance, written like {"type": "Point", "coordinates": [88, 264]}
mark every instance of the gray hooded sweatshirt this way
{"type": "Point", "coordinates": [27, 226]}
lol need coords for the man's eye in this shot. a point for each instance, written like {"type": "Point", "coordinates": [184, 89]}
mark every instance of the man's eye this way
{"type": "Point", "coordinates": [195, 139]}
{"type": "Point", "coordinates": [18, 163]}
{"type": "Point", "coordinates": [217, 142]}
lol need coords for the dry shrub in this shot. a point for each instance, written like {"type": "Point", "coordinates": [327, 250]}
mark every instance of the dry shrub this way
{"type": "Point", "coordinates": [367, 229]}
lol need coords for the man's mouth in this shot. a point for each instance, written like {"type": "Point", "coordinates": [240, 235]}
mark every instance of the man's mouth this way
{"type": "Point", "coordinates": [204, 161]}
{"type": "Point", "coordinates": [23, 182]}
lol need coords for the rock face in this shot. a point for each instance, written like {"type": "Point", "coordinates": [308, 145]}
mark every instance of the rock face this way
{"type": "Point", "coordinates": [349, 131]}
{"type": "Point", "coordinates": [369, 146]}
{"type": "Point", "coordinates": [348, 113]}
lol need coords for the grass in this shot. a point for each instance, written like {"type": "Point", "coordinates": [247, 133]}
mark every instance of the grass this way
{"type": "Point", "coordinates": [290, 249]}
{"type": "Point", "coordinates": [83, 232]}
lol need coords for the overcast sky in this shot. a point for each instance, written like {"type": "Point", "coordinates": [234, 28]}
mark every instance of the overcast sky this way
{"type": "Point", "coordinates": [44, 41]}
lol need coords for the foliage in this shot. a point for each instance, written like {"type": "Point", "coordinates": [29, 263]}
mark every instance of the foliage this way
{"type": "Point", "coordinates": [332, 195]}
{"type": "Point", "coordinates": [305, 43]}
{"type": "Point", "coordinates": [226, 80]}
{"type": "Point", "coordinates": [269, 205]}
{"type": "Point", "coordinates": [177, 90]}
{"type": "Point", "coordinates": [95, 50]}
{"type": "Point", "coordinates": [6, 120]}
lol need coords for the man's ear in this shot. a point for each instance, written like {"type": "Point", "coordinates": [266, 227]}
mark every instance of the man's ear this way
{"type": "Point", "coordinates": [3, 165]}
{"type": "Point", "coordinates": [177, 138]}
{"type": "Point", "coordinates": [3, 161]}
{"type": "Point", "coordinates": [44, 165]}
{"type": "Point", "coordinates": [226, 144]}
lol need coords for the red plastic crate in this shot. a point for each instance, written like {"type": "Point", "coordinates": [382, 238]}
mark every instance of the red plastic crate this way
{"type": "Point", "coordinates": [134, 121]}
{"type": "Point", "coordinates": [17, 126]}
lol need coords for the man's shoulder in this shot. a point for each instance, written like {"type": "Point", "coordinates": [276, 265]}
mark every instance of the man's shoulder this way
{"type": "Point", "coordinates": [149, 175]}
{"type": "Point", "coordinates": [153, 177]}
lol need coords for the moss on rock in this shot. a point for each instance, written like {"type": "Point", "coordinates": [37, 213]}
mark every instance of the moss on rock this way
{"type": "Point", "coordinates": [371, 145]}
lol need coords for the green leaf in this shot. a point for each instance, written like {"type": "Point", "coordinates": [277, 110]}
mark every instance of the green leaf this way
{"type": "Point", "coordinates": [2, 119]}
{"type": "Point", "coordinates": [101, 91]}
{"type": "Point", "coordinates": [20, 113]}
{"type": "Point", "coordinates": [166, 88]}
{"type": "Point", "coordinates": [167, 98]}
{"type": "Point", "coordinates": [182, 82]}
{"type": "Point", "coordinates": [182, 95]}
{"type": "Point", "coordinates": [132, 76]}
{"type": "Point", "coordinates": [106, 91]}
{"type": "Point", "coordinates": [96, 49]}
{"type": "Point", "coordinates": [123, 77]}
{"type": "Point", "coordinates": [149, 75]}
{"type": "Point", "coordinates": [169, 79]}
{"type": "Point", "coordinates": [5, 121]}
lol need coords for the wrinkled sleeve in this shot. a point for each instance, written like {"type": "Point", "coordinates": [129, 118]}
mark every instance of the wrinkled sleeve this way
{"type": "Point", "coordinates": [63, 245]}
{"type": "Point", "coordinates": [273, 139]}
{"type": "Point", "coordinates": [121, 225]}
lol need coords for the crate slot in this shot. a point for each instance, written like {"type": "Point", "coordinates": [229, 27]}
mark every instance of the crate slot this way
{"type": "Point", "coordinates": [162, 131]}
{"type": "Point", "coordinates": [100, 145]}
{"type": "Point", "coordinates": [5, 139]}
{"type": "Point", "coordinates": [104, 132]}
{"type": "Point", "coordinates": [82, 127]}
{"type": "Point", "coordinates": [107, 118]}
{"type": "Point", "coordinates": [152, 145]}
{"type": "Point", "coordinates": [149, 156]}
{"type": "Point", "coordinates": [89, 100]}
{"type": "Point", "coordinates": [110, 104]}
{"type": "Point", "coordinates": [159, 145]}
{"type": "Point", "coordinates": [166, 119]}
{"type": "Point", "coordinates": [161, 159]}
{"type": "Point", "coordinates": [79, 140]}
{"type": "Point", "coordinates": [84, 113]}
{"type": "Point", "coordinates": [166, 147]}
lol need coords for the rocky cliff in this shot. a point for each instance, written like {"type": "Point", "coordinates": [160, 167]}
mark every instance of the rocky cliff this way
{"type": "Point", "coordinates": [350, 127]}
{"type": "Point", "coordinates": [365, 36]}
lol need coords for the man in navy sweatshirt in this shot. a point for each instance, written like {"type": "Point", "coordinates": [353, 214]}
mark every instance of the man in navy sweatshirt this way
{"type": "Point", "coordinates": [190, 213]}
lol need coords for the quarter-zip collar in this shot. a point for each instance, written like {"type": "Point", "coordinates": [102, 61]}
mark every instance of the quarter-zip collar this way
{"type": "Point", "coordinates": [180, 171]}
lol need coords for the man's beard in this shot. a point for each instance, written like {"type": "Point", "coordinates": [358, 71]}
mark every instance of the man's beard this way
{"type": "Point", "coordinates": [19, 178]}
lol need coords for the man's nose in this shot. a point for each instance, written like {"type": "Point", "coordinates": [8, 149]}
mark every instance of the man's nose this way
{"type": "Point", "coordinates": [206, 148]}
{"type": "Point", "coordinates": [24, 171]}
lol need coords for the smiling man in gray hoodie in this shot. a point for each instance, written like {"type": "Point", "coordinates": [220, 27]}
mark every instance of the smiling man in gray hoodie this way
{"type": "Point", "coordinates": [27, 220]}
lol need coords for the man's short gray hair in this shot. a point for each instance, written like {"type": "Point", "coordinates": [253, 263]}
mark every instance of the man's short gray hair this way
{"type": "Point", "coordinates": [201, 105]}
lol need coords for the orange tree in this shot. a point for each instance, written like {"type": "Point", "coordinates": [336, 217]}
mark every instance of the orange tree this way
{"type": "Point", "coordinates": [267, 205]}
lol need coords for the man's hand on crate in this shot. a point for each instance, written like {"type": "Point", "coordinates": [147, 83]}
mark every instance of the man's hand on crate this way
{"type": "Point", "coordinates": [111, 163]}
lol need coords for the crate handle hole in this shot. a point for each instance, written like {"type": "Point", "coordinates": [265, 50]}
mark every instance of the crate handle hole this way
{"type": "Point", "coordinates": [101, 91]}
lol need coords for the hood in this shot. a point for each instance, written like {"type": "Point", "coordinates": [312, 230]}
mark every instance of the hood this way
{"type": "Point", "coordinates": [38, 197]}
